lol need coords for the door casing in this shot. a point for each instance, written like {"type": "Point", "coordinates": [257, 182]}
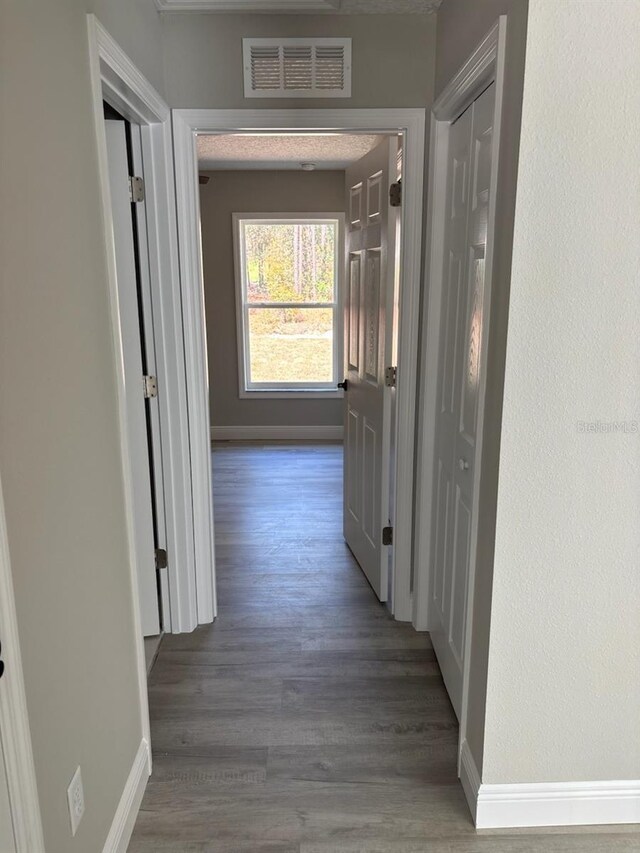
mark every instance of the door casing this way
{"type": "Point", "coordinates": [484, 66]}
{"type": "Point", "coordinates": [409, 122]}
{"type": "Point", "coordinates": [14, 721]}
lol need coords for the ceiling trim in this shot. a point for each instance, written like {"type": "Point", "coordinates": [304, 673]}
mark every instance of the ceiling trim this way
{"type": "Point", "coordinates": [266, 6]}
{"type": "Point", "coordinates": [297, 7]}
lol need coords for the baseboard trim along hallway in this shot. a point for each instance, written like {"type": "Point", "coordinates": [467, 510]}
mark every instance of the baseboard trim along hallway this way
{"type": "Point", "coordinates": [125, 817]}
{"type": "Point", "coordinates": [305, 719]}
{"type": "Point", "coordinates": [507, 806]}
{"type": "Point", "coordinates": [284, 432]}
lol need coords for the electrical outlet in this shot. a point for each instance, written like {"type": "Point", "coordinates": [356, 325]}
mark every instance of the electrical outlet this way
{"type": "Point", "coordinates": [75, 796]}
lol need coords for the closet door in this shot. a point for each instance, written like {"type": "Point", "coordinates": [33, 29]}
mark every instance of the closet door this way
{"type": "Point", "coordinates": [468, 181]}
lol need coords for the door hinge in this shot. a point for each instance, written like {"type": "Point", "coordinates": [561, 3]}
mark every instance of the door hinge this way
{"type": "Point", "coordinates": [136, 189]}
{"type": "Point", "coordinates": [387, 535]}
{"type": "Point", "coordinates": [395, 194]}
{"type": "Point", "coordinates": [390, 377]}
{"type": "Point", "coordinates": [161, 558]}
{"type": "Point", "coordinates": [150, 385]}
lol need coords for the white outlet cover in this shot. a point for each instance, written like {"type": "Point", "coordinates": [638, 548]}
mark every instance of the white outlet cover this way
{"type": "Point", "coordinates": [75, 797]}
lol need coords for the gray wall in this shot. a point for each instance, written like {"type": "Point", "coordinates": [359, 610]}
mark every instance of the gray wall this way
{"type": "Point", "coordinates": [393, 58]}
{"type": "Point", "coordinates": [461, 26]}
{"type": "Point", "coordinates": [254, 192]}
{"type": "Point", "coordinates": [59, 436]}
{"type": "Point", "coordinates": [137, 27]}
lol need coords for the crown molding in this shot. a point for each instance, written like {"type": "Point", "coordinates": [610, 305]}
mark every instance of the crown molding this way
{"type": "Point", "coordinates": [266, 6]}
{"type": "Point", "coordinates": [296, 7]}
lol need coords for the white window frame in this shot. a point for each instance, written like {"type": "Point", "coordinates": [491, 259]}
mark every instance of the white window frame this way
{"type": "Point", "coordinates": [306, 390]}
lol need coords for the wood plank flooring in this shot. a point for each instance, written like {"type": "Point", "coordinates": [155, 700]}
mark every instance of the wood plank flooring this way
{"type": "Point", "coordinates": [305, 720]}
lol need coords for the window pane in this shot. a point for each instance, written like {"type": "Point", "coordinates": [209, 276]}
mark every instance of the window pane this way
{"type": "Point", "coordinates": [291, 345]}
{"type": "Point", "coordinates": [290, 263]}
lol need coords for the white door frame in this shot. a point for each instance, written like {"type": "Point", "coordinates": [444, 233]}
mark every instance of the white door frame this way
{"type": "Point", "coordinates": [14, 720]}
{"type": "Point", "coordinates": [486, 65]}
{"type": "Point", "coordinates": [186, 123]}
{"type": "Point", "coordinates": [116, 80]}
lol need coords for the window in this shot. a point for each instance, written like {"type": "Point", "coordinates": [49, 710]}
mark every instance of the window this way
{"type": "Point", "coordinates": [287, 283]}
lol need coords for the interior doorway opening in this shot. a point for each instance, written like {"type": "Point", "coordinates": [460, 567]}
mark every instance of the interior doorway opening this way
{"type": "Point", "coordinates": [301, 237]}
{"type": "Point", "coordinates": [408, 124]}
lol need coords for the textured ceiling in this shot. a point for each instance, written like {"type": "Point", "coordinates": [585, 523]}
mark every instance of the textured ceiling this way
{"type": "Point", "coordinates": [281, 151]}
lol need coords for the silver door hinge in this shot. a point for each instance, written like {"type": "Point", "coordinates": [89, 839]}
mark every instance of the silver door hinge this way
{"type": "Point", "coordinates": [136, 189]}
{"type": "Point", "coordinates": [395, 194]}
{"type": "Point", "coordinates": [387, 535]}
{"type": "Point", "coordinates": [161, 558]}
{"type": "Point", "coordinates": [390, 377]}
{"type": "Point", "coordinates": [150, 385]}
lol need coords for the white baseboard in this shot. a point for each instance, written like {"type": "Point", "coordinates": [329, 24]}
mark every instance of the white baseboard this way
{"type": "Point", "coordinates": [500, 806]}
{"type": "Point", "coordinates": [293, 433]}
{"type": "Point", "coordinates": [129, 805]}
{"type": "Point", "coordinates": [469, 777]}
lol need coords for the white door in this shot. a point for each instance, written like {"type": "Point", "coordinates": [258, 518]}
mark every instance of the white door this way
{"type": "Point", "coordinates": [7, 837]}
{"type": "Point", "coordinates": [133, 370]}
{"type": "Point", "coordinates": [365, 501]}
{"type": "Point", "coordinates": [468, 180]}
{"type": "Point", "coordinates": [392, 322]}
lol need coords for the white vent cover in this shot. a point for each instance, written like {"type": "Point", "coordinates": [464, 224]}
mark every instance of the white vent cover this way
{"type": "Point", "coordinates": [297, 68]}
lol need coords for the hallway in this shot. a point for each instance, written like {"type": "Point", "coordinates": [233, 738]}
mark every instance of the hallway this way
{"type": "Point", "coordinates": [305, 720]}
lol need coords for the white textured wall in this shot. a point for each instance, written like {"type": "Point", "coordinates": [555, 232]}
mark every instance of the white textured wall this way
{"type": "Point", "coordinates": [563, 698]}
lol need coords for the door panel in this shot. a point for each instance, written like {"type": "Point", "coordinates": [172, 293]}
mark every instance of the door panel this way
{"type": "Point", "coordinates": [353, 327]}
{"type": "Point", "coordinates": [366, 501]}
{"type": "Point", "coordinates": [466, 214]}
{"type": "Point", "coordinates": [133, 370]}
{"type": "Point", "coordinates": [372, 318]}
{"type": "Point", "coordinates": [351, 472]}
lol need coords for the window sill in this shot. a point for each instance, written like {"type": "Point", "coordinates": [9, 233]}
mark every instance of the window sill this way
{"type": "Point", "coordinates": [298, 393]}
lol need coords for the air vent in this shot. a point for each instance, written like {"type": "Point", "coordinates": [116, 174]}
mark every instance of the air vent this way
{"type": "Point", "coordinates": [297, 68]}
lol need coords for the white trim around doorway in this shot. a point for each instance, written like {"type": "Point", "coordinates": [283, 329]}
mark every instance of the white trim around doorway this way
{"type": "Point", "coordinates": [188, 123]}
{"type": "Point", "coordinates": [14, 720]}
{"type": "Point", "coordinates": [116, 80]}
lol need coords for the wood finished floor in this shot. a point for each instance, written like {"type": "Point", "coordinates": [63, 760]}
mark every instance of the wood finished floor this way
{"type": "Point", "coordinates": [305, 720]}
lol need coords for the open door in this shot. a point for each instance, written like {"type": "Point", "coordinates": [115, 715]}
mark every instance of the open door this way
{"type": "Point", "coordinates": [366, 429]}
{"type": "Point", "coordinates": [134, 375]}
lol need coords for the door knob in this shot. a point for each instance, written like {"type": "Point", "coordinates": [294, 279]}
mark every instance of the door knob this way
{"type": "Point", "coordinates": [343, 385]}
{"type": "Point", "coordinates": [464, 465]}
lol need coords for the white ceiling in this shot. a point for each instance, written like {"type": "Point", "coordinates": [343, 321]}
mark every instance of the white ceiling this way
{"type": "Point", "coordinates": [282, 151]}
{"type": "Point", "coordinates": [341, 7]}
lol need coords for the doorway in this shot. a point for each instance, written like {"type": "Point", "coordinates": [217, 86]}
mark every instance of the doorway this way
{"type": "Point", "coordinates": [190, 126]}
{"type": "Point", "coordinates": [301, 279]}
